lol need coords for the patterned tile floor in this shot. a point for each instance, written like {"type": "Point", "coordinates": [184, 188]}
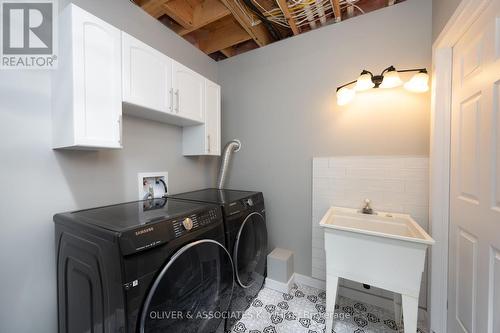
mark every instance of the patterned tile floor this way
{"type": "Point", "coordinates": [302, 310]}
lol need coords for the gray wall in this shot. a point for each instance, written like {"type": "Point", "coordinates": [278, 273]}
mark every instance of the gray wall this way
{"type": "Point", "coordinates": [442, 10]}
{"type": "Point", "coordinates": [280, 101]}
{"type": "Point", "coordinates": [38, 182]}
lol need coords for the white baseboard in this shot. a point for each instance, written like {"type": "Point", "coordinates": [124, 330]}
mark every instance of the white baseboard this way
{"type": "Point", "coordinates": [279, 286]}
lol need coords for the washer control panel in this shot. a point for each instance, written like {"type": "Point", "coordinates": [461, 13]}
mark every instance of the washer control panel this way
{"type": "Point", "coordinates": [192, 222]}
{"type": "Point", "coordinates": [250, 203]}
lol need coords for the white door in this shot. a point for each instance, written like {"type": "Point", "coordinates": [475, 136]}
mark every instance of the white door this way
{"type": "Point", "coordinates": [97, 81]}
{"type": "Point", "coordinates": [146, 75]}
{"type": "Point", "coordinates": [474, 239]}
{"type": "Point", "coordinates": [188, 92]}
{"type": "Point", "coordinates": [212, 117]}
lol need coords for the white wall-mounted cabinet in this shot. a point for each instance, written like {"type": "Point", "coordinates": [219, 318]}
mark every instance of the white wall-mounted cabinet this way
{"type": "Point", "coordinates": [157, 88]}
{"type": "Point", "coordinates": [86, 87]}
{"type": "Point", "coordinates": [205, 139]}
{"type": "Point", "coordinates": [146, 75]}
{"type": "Point", "coordinates": [189, 88]}
{"type": "Point", "coordinates": [102, 69]}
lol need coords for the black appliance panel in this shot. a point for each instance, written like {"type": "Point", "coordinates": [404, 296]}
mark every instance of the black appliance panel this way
{"type": "Point", "coordinates": [102, 284]}
{"type": "Point", "coordinates": [158, 233]}
{"type": "Point", "coordinates": [215, 195]}
{"type": "Point", "coordinates": [134, 214]}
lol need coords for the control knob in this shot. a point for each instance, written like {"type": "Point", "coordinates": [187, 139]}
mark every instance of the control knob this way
{"type": "Point", "coordinates": [187, 223]}
{"type": "Point", "coordinates": [250, 202]}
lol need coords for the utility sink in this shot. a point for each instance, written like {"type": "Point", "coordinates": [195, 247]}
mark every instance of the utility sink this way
{"type": "Point", "coordinates": [385, 250]}
{"type": "Point", "coordinates": [381, 224]}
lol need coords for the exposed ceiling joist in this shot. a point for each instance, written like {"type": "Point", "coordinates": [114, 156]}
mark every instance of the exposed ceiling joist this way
{"type": "Point", "coordinates": [205, 13]}
{"type": "Point", "coordinates": [181, 11]}
{"type": "Point", "coordinates": [336, 10]}
{"type": "Point", "coordinates": [220, 35]}
{"type": "Point", "coordinates": [226, 28]}
{"type": "Point", "coordinates": [284, 8]}
{"type": "Point", "coordinates": [154, 7]}
{"type": "Point", "coordinates": [258, 32]}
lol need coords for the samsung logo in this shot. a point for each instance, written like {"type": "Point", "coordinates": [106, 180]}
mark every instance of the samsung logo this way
{"type": "Point", "coordinates": [144, 231]}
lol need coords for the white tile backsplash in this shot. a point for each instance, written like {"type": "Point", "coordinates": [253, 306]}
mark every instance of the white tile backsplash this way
{"type": "Point", "coordinates": [393, 183]}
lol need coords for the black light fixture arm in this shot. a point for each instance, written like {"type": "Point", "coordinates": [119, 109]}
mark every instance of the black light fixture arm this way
{"type": "Point", "coordinates": [420, 70]}
{"type": "Point", "coordinates": [377, 79]}
{"type": "Point", "coordinates": [345, 85]}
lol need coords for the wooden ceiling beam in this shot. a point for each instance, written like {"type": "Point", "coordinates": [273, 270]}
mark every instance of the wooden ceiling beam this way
{"type": "Point", "coordinates": [181, 11]}
{"type": "Point", "coordinates": [205, 13]}
{"type": "Point", "coordinates": [259, 32]}
{"type": "Point", "coordinates": [286, 11]}
{"type": "Point", "coordinates": [222, 37]}
{"type": "Point", "coordinates": [154, 7]}
{"type": "Point", "coordinates": [336, 10]}
{"type": "Point", "coordinates": [228, 51]}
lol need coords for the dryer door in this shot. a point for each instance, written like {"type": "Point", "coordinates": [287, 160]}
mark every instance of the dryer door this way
{"type": "Point", "coordinates": [250, 251]}
{"type": "Point", "coordinates": [191, 290]}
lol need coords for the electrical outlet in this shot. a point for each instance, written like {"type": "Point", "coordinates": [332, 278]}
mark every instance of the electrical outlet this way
{"type": "Point", "coordinates": [152, 184]}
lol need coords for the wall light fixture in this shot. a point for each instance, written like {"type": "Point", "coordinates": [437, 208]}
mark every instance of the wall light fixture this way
{"type": "Point", "coordinates": [389, 78]}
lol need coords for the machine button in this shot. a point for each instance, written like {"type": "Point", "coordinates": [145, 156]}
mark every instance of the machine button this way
{"type": "Point", "coordinates": [187, 223]}
{"type": "Point", "coordinates": [250, 202]}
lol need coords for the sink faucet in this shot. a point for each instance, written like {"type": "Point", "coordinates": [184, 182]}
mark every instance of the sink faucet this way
{"type": "Point", "coordinates": [367, 209]}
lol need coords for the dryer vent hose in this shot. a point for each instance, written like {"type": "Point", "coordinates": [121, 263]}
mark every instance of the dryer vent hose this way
{"type": "Point", "coordinates": [232, 146]}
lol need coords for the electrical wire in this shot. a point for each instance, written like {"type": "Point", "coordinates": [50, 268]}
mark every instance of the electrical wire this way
{"type": "Point", "coordinates": [304, 12]}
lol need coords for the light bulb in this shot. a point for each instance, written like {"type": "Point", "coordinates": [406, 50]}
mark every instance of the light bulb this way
{"type": "Point", "coordinates": [391, 80]}
{"type": "Point", "coordinates": [364, 82]}
{"type": "Point", "coordinates": [345, 95]}
{"type": "Point", "coordinates": [418, 83]}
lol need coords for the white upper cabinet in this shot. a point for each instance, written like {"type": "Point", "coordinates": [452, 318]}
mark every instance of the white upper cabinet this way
{"type": "Point", "coordinates": [146, 75]}
{"type": "Point", "coordinates": [212, 117]}
{"type": "Point", "coordinates": [87, 96]}
{"type": "Point", "coordinates": [189, 88]}
{"type": "Point", "coordinates": [102, 70]}
{"type": "Point", "coordinates": [205, 139]}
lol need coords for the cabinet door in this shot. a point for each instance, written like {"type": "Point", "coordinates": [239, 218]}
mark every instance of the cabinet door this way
{"type": "Point", "coordinates": [188, 93]}
{"type": "Point", "coordinates": [146, 75]}
{"type": "Point", "coordinates": [97, 84]}
{"type": "Point", "coordinates": [212, 117]}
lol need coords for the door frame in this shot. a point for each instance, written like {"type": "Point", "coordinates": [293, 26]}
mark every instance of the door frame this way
{"type": "Point", "coordinates": [465, 15]}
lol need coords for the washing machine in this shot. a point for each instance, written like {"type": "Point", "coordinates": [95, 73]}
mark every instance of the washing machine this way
{"type": "Point", "coordinates": [148, 266]}
{"type": "Point", "coordinates": [246, 240]}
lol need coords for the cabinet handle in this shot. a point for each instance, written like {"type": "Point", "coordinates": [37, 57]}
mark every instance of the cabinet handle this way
{"type": "Point", "coordinates": [120, 132]}
{"type": "Point", "coordinates": [208, 139]}
{"type": "Point", "coordinates": [171, 92]}
{"type": "Point", "coordinates": [178, 100]}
